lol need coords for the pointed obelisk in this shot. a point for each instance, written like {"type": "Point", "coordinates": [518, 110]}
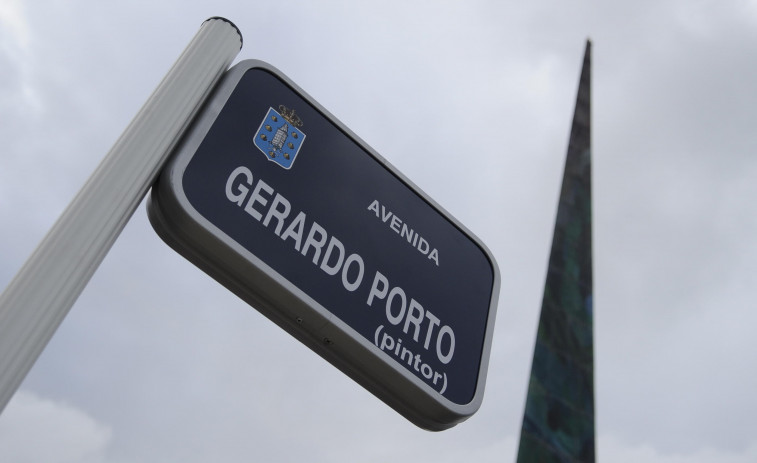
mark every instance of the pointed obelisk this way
{"type": "Point", "coordinates": [558, 423]}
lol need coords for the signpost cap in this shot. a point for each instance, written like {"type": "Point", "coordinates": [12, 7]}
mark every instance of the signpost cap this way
{"type": "Point", "coordinates": [221, 18]}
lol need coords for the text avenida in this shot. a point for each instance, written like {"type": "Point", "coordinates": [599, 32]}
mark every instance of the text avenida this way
{"type": "Point", "coordinates": [428, 332]}
{"type": "Point", "coordinates": [402, 229]}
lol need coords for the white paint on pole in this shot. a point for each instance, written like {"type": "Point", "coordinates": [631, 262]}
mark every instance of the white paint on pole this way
{"type": "Point", "coordinates": [39, 297]}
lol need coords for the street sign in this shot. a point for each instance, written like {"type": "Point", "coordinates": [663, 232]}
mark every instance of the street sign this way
{"type": "Point", "coordinates": [277, 200]}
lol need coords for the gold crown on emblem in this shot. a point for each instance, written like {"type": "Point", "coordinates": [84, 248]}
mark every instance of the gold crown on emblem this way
{"type": "Point", "coordinates": [290, 116]}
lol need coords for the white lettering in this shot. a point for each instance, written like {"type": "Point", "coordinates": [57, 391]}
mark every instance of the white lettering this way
{"type": "Point", "coordinates": [414, 361]}
{"type": "Point", "coordinates": [330, 258]}
{"type": "Point", "coordinates": [374, 207]}
{"type": "Point", "coordinates": [398, 226]}
{"type": "Point", "coordinates": [395, 225]}
{"type": "Point", "coordinates": [407, 232]}
{"type": "Point", "coordinates": [415, 320]}
{"type": "Point", "coordinates": [387, 342]}
{"type": "Point", "coordinates": [295, 229]}
{"type": "Point", "coordinates": [352, 286]}
{"type": "Point", "coordinates": [445, 358]}
{"type": "Point", "coordinates": [414, 315]}
{"type": "Point", "coordinates": [434, 256]}
{"type": "Point", "coordinates": [432, 322]}
{"type": "Point", "coordinates": [265, 205]}
{"type": "Point", "coordinates": [375, 291]}
{"type": "Point", "coordinates": [396, 291]}
{"type": "Point", "coordinates": [238, 198]}
{"type": "Point", "coordinates": [385, 214]}
{"type": "Point", "coordinates": [397, 349]}
{"type": "Point", "coordinates": [317, 244]}
{"type": "Point", "coordinates": [275, 212]}
{"type": "Point", "coordinates": [423, 246]}
{"type": "Point", "coordinates": [255, 197]}
{"type": "Point", "coordinates": [333, 244]}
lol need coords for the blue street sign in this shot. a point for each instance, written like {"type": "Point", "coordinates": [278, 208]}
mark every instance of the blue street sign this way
{"type": "Point", "coordinates": [338, 248]}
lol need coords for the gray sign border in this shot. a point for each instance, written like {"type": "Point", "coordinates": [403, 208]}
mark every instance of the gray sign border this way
{"type": "Point", "coordinates": [210, 249]}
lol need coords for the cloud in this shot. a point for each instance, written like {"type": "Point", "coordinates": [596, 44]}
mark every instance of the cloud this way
{"type": "Point", "coordinates": [611, 448]}
{"type": "Point", "coordinates": [13, 22]}
{"type": "Point", "coordinates": [490, 88]}
{"type": "Point", "coordinates": [35, 429]}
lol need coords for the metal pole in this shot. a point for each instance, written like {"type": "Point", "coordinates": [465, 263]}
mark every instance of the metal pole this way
{"type": "Point", "coordinates": [41, 294]}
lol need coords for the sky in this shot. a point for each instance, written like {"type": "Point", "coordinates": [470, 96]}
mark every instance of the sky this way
{"type": "Point", "coordinates": [157, 362]}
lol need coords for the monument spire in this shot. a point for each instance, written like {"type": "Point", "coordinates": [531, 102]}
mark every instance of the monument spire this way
{"type": "Point", "coordinates": [558, 423]}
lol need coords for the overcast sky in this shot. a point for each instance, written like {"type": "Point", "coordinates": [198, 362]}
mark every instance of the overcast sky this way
{"type": "Point", "coordinates": [157, 362]}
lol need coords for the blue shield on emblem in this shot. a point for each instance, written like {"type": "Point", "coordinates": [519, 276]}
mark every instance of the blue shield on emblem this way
{"type": "Point", "coordinates": [279, 136]}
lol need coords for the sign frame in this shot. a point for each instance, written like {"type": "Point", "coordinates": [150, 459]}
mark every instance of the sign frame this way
{"type": "Point", "coordinates": [203, 243]}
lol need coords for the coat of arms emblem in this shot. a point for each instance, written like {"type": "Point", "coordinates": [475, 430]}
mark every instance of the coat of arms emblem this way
{"type": "Point", "coordinates": [279, 136]}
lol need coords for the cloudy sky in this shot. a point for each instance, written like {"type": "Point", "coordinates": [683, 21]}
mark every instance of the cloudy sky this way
{"type": "Point", "coordinates": [157, 362]}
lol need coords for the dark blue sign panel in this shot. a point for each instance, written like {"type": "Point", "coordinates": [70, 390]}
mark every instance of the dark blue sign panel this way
{"type": "Point", "coordinates": [276, 199]}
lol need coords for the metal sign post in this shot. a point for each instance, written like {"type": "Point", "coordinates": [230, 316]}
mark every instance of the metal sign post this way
{"type": "Point", "coordinates": [39, 297]}
{"type": "Point", "coordinates": [279, 201]}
